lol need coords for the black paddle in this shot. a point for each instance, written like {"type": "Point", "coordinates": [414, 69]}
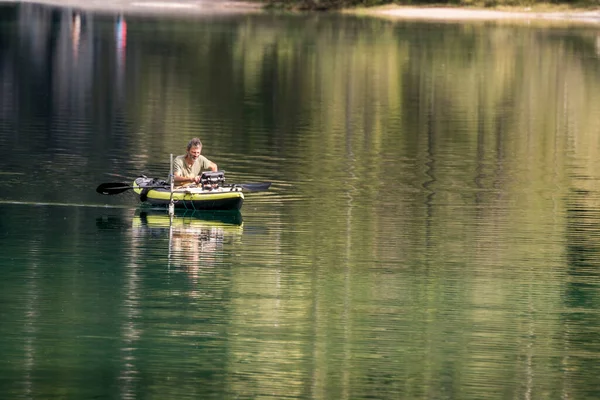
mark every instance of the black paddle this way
{"type": "Point", "coordinates": [252, 187]}
{"type": "Point", "coordinates": [118, 187]}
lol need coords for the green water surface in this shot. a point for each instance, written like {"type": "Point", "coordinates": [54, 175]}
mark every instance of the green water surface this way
{"type": "Point", "coordinates": [432, 231]}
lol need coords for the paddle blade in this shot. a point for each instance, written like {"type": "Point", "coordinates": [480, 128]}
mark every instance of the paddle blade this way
{"type": "Point", "coordinates": [113, 188]}
{"type": "Point", "coordinates": [255, 187]}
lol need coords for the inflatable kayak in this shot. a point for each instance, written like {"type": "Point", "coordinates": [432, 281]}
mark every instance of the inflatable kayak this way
{"type": "Point", "coordinates": [208, 195]}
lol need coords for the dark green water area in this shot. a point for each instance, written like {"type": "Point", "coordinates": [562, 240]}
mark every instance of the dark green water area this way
{"type": "Point", "coordinates": [432, 230]}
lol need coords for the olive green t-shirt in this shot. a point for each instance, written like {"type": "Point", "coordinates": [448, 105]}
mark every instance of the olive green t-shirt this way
{"type": "Point", "coordinates": [181, 168]}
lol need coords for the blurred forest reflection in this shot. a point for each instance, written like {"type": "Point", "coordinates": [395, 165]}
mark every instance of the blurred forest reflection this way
{"type": "Point", "coordinates": [432, 230]}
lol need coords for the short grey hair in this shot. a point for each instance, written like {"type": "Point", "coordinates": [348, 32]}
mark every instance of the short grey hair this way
{"type": "Point", "coordinates": [195, 142]}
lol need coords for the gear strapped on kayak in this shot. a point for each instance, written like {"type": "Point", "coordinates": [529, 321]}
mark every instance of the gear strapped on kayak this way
{"type": "Point", "coordinates": [212, 180]}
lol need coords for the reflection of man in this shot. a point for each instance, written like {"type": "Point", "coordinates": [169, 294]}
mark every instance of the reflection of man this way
{"type": "Point", "coordinates": [187, 245]}
{"type": "Point", "coordinates": [195, 249]}
{"type": "Point", "coordinates": [187, 168]}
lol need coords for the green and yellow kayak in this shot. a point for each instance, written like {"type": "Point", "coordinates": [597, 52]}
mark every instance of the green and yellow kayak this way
{"type": "Point", "coordinates": [158, 193]}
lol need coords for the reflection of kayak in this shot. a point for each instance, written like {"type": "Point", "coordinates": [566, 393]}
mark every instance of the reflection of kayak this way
{"type": "Point", "coordinates": [189, 220]}
{"type": "Point", "coordinates": [193, 235]}
{"type": "Point", "coordinates": [189, 198]}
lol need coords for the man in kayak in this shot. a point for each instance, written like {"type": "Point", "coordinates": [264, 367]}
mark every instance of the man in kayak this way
{"type": "Point", "coordinates": [187, 168]}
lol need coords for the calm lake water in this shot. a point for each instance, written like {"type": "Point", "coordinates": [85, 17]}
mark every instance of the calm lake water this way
{"type": "Point", "coordinates": [432, 231]}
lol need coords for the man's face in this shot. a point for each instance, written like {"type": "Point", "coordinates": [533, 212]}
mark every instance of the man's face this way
{"type": "Point", "coordinates": [194, 152]}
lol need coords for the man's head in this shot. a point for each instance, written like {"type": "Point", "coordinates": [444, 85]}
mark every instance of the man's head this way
{"type": "Point", "coordinates": [194, 148]}
{"type": "Point", "coordinates": [195, 142]}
